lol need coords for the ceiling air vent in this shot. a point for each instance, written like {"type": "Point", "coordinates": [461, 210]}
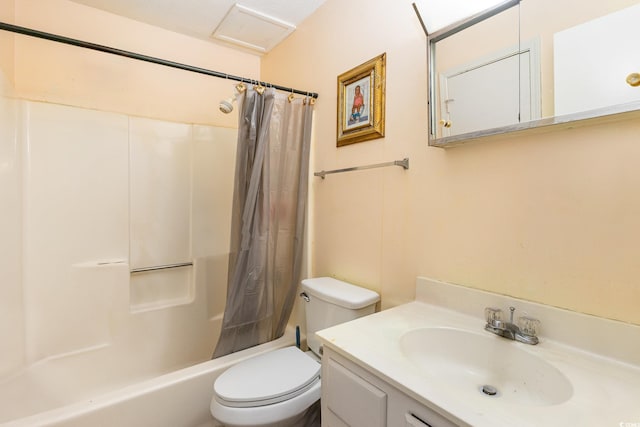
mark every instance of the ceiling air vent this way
{"type": "Point", "coordinates": [251, 29]}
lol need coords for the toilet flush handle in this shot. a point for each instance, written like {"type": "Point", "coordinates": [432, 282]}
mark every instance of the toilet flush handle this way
{"type": "Point", "coordinates": [305, 296]}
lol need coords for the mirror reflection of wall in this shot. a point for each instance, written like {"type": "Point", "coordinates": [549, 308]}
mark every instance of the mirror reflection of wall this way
{"type": "Point", "coordinates": [440, 14]}
{"type": "Point", "coordinates": [537, 60]}
{"type": "Point", "coordinates": [478, 76]}
{"type": "Point", "coordinates": [604, 42]}
{"type": "Point", "coordinates": [592, 61]}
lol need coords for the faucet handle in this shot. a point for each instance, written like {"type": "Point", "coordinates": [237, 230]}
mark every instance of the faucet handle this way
{"type": "Point", "coordinates": [529, 326]}
{"type": "Point", "coordinates": [493, 316]}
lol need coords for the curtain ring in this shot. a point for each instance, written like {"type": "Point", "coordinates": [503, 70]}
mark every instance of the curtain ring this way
{"type": "Point", "coordinates": [260, 89]}
{"type": "Point", "coordinates": [241, 87]}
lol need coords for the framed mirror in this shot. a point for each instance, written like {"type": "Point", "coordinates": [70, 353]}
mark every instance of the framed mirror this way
{"type": "Point", "coordinates": [528, 64]}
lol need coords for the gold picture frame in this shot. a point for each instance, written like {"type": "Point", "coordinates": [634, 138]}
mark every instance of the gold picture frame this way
{"type": "Point", "coordinates": [361, 102]}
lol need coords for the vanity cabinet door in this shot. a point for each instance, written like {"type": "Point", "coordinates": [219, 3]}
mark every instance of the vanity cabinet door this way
{"type": "Point", "coordinates": [350, 401]}
{"type": "Point", "coordinates": [355, 397]}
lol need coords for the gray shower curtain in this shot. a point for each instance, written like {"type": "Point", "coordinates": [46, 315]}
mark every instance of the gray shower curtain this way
{"type": "Point", "coordinates": [268, 218]}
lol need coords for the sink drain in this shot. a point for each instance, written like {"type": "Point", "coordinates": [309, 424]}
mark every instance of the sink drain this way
{"type": "Point", "coordinates": [489, 390]}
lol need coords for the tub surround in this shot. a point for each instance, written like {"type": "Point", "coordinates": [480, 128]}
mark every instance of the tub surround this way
{"type": "Point", "coordinates": [85, 206]}
{"type": "Point", "coordinates": [179, 398]}
{"type": "Point", "coordinates": [599, 357]}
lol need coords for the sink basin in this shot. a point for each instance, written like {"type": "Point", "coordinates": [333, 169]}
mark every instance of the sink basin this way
{"type": "Point", "coordinates": [484, 365]}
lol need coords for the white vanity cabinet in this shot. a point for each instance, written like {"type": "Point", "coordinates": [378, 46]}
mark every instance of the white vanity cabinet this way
{"type": "Point", "coordinates": [354, 397]}
{"type": "Point", "coordinates": [423, 363]}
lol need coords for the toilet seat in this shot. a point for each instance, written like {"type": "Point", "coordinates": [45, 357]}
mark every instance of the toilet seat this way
{"type": "Point", "coordinates": [267, 379]}
{"type": "Point", "coordinates": [277, 414]}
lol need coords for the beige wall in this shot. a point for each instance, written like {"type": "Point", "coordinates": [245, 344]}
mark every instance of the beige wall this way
{"type": "Point", "coordinates": [550, 217]}
{"type": "Point", "coordinates": [6, 47]}
{"type": "Point", "coordinates": [52, 72]}
{"type": "Point", "coordinates": [546, 217]}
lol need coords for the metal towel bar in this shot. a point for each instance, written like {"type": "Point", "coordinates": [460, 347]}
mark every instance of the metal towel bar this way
{"type": "Point", "coordinates": [160, 267]}
{"type": "Point", "coordinates": [404, 163]}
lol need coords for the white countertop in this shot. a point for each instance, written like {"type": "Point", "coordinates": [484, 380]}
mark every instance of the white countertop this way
{"type": "Point", "coordinates": [606, 391]}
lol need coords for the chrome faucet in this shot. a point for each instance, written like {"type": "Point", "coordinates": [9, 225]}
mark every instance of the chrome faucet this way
{"type": "Point", "coordinates": [525, 332]}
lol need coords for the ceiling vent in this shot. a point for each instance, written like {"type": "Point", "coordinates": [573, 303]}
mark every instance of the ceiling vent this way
{"type": "Point", "coordinates": [251, 29]}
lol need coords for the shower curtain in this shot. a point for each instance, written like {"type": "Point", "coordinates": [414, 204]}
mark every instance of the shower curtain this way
{"type": "Point", "coordinates": [268, 218]}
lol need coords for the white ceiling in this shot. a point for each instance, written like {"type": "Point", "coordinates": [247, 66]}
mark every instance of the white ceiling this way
{"type": "Point", "coordinates": [258, 25]}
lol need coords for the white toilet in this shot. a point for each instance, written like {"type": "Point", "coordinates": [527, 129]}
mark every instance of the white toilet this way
{"type": "Point", "coordinates": [276, 388]}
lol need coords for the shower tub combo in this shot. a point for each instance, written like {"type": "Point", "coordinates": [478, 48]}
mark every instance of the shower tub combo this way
{"type": "Point", "coordinates": [91, 337]}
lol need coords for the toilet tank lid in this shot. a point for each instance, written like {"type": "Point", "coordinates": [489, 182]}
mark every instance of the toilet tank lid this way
{"type": "Point", "coordinates": [340, 293]}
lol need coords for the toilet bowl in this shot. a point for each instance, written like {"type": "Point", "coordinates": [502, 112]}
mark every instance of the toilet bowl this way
{"type": "Point", "coordinates": [272, 389]}
{"type": "Point", "coordinates": [276, 389]}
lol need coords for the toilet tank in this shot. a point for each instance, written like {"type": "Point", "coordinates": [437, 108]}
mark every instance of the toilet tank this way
{"type": "Point", "coordinates": [331, 302]}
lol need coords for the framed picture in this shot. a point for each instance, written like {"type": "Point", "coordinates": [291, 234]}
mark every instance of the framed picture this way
{"type": "Point", "coordinates": [361, 102]}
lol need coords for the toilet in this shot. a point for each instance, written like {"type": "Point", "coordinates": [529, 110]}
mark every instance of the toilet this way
{"type": "Point", "coordinates": [276, 388]}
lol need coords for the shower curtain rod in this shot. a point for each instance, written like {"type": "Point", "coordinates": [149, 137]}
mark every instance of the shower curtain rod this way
{"type": "Point", "coordinates": [106, 49]}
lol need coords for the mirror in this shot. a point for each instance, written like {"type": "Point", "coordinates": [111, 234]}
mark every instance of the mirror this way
{"type": "Point", "coordinates": [529, 64]}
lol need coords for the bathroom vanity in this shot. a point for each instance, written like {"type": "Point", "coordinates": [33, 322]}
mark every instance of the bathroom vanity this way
{"type": "Point", "coordinates": [431, 363]}
{"type": "Point", "coordinates": [353, 396]}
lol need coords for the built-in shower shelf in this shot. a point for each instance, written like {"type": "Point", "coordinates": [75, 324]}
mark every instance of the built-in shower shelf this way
{"type": "Point", "coordinates": [161, 288]}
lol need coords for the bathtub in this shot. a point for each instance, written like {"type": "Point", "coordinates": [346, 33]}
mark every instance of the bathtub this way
{"type": "Point", "coordinates": [176, 399]}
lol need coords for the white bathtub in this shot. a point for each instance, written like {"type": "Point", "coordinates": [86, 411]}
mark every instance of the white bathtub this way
{"type": "Point", "coordinates": [177, 399]}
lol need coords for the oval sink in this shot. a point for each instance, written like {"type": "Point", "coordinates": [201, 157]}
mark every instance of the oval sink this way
{"type": "Point", "coordinates": [485, 365]}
